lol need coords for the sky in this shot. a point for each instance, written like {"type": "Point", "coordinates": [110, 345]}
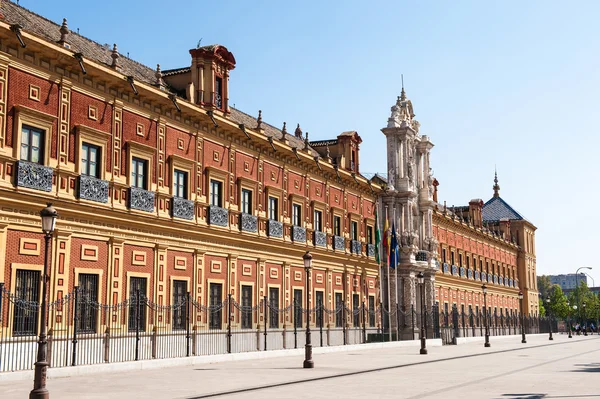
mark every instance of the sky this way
{"type": "Point", "coordinates": [511, 85]}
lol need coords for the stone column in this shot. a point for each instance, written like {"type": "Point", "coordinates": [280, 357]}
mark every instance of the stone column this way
{"type": "Point", "coordinates": [409, 301]}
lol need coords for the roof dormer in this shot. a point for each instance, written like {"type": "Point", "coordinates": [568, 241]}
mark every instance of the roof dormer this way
{"type": "Point", "coordinates": [210, 76]}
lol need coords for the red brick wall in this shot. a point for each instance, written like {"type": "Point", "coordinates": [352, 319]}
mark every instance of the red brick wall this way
{"type": "Point", "coordinates": [218, 161]}
{"type": "Point", "coordinates": [240, 161]}
{"type": "Point", "coordinates": [128, 267]}
{"type": "Point", "coordinates": [269, 170]}
{"type": "Point", "coordinates": [18, 94]}
{"type": "Point", "coordinates": [130, 121]}
{"type": "Point", "coordinates": [100, 263]}
{"type": "Point", "coordinates": [173, 138]}
{"type": "Point", "coordinates": [295, 184]}
{"type": "Point", "coordinates": [173, 273]}
{"type": "Point", "coordinates": [13, 256]}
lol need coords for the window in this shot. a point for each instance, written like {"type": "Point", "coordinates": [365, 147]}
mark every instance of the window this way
{"type": "Point", "coordinates": [356, 310]}
{"type": "Point", "coordinates": [319, 310]}
{"type": "Point", "coordinates": [298, 308]}
{"type": "Point", "coordinates": [137, 310]}
{"type": "Point", "coordinates": [354, 230]}
{"type": "Point", "coordinates": [246, 201]}
{"type": "Point", "coordinates": [318, 221]}
{"type": "Point", "coordinates": [273, 212]}
{"type": "Point", "coordinates": [338, 309]}
{"type": "Point", "coordinates": [481, 265]}
{"type": "Point", "coordinates": [443, 255]}
{"type": "Point", "coordinates": [32, 144]}
{"type": "Point", "coordinates": [246, 306]}
{"type": "Point", "coordinates": [219, 92]}
{"type": "Point", "coordinates": [296, 215]}
{"type": "Point", "coordinates": [452, 257]}
{"type": "Point", "coordinates": [139, 172]}
{"type": "Point", "coordinates": [88, 303]}
{"type": "Point", "coordinates": [274, 307]}
{"type": "Point", "coordinates": [179, 304]}
{"type": "Point", "coordinates": [27, 289]}
{"type": "Point", "coordinates": [215, 300]}
{"type": "Point", "coordinates": [468, 261]}
{"type": "Point", "coordinates": [369, 234]}
{"type": "Point", "coordinates": [90, 160]}
{"type": "Point", "coordinates": [337, 226]}
{"type": "Point", "coordinates": [180, 179]}
{"type": "Point", "coordinates": [460, 260]}
{"type": "Point", "coordinates": [216, 193]}
{"type": "Point", "coordinates": [371, 311]}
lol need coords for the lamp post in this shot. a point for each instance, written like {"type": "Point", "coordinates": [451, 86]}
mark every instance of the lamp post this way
{"type": "Point", "coordinates": [48, 215]}
{"type": "Point", "coordinates": [577, 287]}
{"type": "Point", "coordinates": [523, 339]}
{"type": "Point", "coordinates": [549, 319]}
{"type": "Point", "coordinates": [485, 319]}
{"type": "Point", "coordinates": [584, 318]}
{"type": "Point", "coordinates": [308, 361]}
{"type": "Point", "coordinates": [574, 308]}
{"type": "Point", "coordinates": [421, 279]}
{"type": "Point", "coordinates": [569, 319]}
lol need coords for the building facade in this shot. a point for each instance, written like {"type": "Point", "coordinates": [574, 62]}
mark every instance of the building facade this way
{"type": "Point", "coordinates": [162, 187]}
{"type": "Point", "coordinates": [568, 281]}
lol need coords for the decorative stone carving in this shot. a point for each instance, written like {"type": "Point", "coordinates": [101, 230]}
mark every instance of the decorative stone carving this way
{"type": "Point", "coordinates": [33, 175]}
{"type": "Point", "coordinates": [218, 216]}
{"type": "Point", "coordinates": [370, 250]}
{"type": "Point", "coordinates": [93, 189]}
{"type": "Point", "coordinates": [274, 228]}
{"type": "Point", "coordinates": [248, 222]}
{"type": "Point", "coordinates": [477, 275]}
{"type": "Point", "coordinates": [355, 247]}
{"type": "Point", "coordinates": [320, 238]}
{"type": "Point", "coordinates": [141, 199]}
{"type": "Point", "coordinates": [298, 234]}
{"type": "Point", "coordinates": [339, 243]}
{"type": "Point", "coordinates": [182, 208]}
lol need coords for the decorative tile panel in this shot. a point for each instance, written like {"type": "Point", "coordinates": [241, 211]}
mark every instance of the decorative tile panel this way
{"type": "Point", "coordinates": [182, 208]}
{"type": "Point", "coordinates": [248, 222]}
{"type": "Point", "coordinates": [320, 238]}
{"type": "Point", "coordinates": [93, 189]}
{"type": "Point", "coordinates": [33, 175]}
{"type": "Point", "coordinates": [141, 199]}
{"type": "Point", "coordinates": [218, 216]}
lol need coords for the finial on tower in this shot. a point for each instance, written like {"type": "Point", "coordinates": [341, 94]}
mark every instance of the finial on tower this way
{"type": "Point", "coordinates": [403, 93]}
{"type": "Point", "coordinates": [496, 186]}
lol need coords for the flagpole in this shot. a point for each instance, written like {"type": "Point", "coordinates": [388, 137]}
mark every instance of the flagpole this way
{"type": "Point", "coordinates": [380, 250]}
{"type": "Point", "coordinates": [396, 277]}
{"type": "Point", "coordinates": [387, 271]}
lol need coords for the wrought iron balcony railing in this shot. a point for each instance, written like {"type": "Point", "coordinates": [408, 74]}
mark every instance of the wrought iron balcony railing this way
{"type": "Point", "coordinates": [320, 239]}
{"type": "Point", "coordinates": [35, 176]}
{"type": "Point", "coordinates": [218, 216]}
{"type": "Point", "coordinates": [370, 250]}
{"type": "Point", "coordinates": [92, 189]}
{"type": "Point", "coordinates": [298, 234]}
{"type": "Point", "coordinates": [421, 256]}
{"type": "Point", "coordinates": [356, 247]}
{"type": "Point", "coordinates": [339, 243]}
{"type": "Point", "coordinates": [248, 222]}
{"type": "Point", "coordinates": [182, 208]}
{"type": "Point", "coordinates": [274, 228]}
{"type": "Point", "coordinates": [141, 199]}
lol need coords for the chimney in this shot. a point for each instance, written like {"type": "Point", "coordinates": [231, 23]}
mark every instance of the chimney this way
{"type": "Point", "coordinates": [475, 207]}
{"type": "Point", "coordinates": [505, 227]}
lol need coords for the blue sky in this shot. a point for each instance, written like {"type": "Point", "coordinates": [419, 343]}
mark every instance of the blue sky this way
{"type": "Point", "coordinates": [506, 83]}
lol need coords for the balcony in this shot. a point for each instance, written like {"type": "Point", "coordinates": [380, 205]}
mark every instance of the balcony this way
{"type": "Point", "coordinates": [274, 228]}
{"type": "Point", "coordinates": [339, 244]}
{"type": "Point", "coordinates": [511, 282]}
{"type": "Point", "coordinates": [470, 274]}
{"type": "Point", "coordinates": [298, 234]}
{"type": "Point", "coordinates": [445, 268]}
{"type": "Point", "coordinates": [370, 250]}
{"type": "Point", "coordinates": [477, 275]}
{"type": "Point", "coordinates": [35, 176]}
{"type": "Point", "coordinates": [182, 208]}
{"type": "Point", "coordinates": [218, 216]}
{"type": "Point", "coordinates": [320, 239]}
{"type": "Point", "coordinates": [483, 277]}
{"type": "Point", "coordinates": [506, 282]}
{"type": "Point", "coordinates": [421, 256]}
{"type": "Point", "coordinates": [92, 189]}
{"type": "Point", "coordinates": [462, 271]}
{"type": "Point", "coordinates": [355, 247]}
{"type": "Point", "coordinates": [495, 279]}
{"type": "Point", "coordinates": [141, 199]}
{"type": "Point", "coordinates": [248, 223]}
{"type": "Point", "coordinates": [454, 270]}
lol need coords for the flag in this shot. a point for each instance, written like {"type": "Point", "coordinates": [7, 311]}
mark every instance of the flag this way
{"type": "Point", "coordinates": [386, 241]}
{"type": "Point", "coordinates": [377, 239]}
{"type": "Point", "coordinates": [394, 249]}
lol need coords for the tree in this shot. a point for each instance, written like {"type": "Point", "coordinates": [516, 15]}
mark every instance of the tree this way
{"type": "Point", "coordinates": [544, 285]}
{"type": "Point", "coordinates": [558, 303]}
{"type": "Point", "coordinates": [542, 308]}
{"type": "Point", "coordinates": [582, 295]}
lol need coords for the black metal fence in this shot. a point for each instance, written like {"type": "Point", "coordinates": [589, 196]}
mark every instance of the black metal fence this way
{"type": "Point", "coordinates": [83, 332]}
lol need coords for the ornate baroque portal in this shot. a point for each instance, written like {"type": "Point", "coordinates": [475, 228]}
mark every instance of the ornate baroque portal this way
{"type": "Point", "coordinates": [408, 201]}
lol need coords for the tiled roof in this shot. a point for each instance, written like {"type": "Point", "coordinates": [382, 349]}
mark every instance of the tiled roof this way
{"type": "Point", "coordinates": [35, 24]}
{"type": "Point", "coordinates": [177, 71]}
{"type": "Point", "coordinates": [322, 143]}
{"type": "Point", "coordinates": [496, 209]}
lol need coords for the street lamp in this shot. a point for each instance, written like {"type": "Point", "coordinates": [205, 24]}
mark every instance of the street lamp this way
{"type": "Point", "coordinates": [575, 308]}
{"type": "Point", "coordinates": [549, 318]}
{"type": "Point", "coordinates": [308, 361]}
{"type": "Point", "coordinates": [523, 339]}
{"type": "Point", "coordinates": [48, 215]}
{"type": "Point", "coordinates": [569, 319]}
{"type": "Point", "coordinates": [421, 278]}
{"type": "Point", "coordinates": [487, 330]}
{"type": "Point", "coordinates": [584, 318]}
{"type": "Point", "coordinates": [577, 287]}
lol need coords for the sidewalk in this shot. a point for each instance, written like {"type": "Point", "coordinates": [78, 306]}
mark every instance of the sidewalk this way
{"type": "Point", "coordinates": [467, 371]}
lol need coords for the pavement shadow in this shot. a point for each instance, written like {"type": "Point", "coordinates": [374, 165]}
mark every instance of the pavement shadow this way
{"type": "Point", "coordinates": [587, 368]}
{"type": "Point", "coordinates": [525, 395]}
